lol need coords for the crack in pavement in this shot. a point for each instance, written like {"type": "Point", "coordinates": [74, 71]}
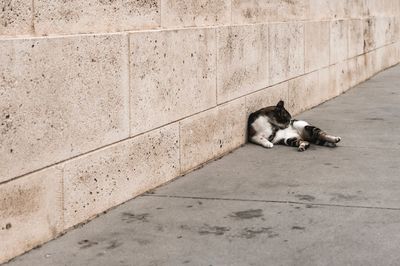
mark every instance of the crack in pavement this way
{"type": "Point", "coordinates": [273, 201]}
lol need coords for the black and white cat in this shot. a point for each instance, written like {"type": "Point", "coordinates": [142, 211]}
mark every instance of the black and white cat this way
{"type": "Point", "coordinates": [274, 125]}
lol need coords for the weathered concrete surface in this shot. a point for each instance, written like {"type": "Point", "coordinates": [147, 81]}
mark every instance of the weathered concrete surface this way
{"type": "Point", "coordinates": [71, 17]}
{"type": "Point", "coordinates": [326, 206]}
{"type": "Point", "coordinates": [195, 13]}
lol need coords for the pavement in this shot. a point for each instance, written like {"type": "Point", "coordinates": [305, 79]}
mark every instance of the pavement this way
{"type": "Point", "coordinates": [325, 206]}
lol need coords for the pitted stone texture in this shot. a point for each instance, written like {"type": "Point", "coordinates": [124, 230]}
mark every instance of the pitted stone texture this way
{"type": "Point", "coordinates": [392, 30]}
{"type": "Point", "coordinates": [356, 37]}
{"type": "Point", "coordinates": [30, 212]}
{"type": "Point", "coordinates": [361, 68]}
{"type": "Point", "coordinates": [286, 51]}
{"type": "Point", "coordinates": [339, 77]}
{"type": "Point", "coordinates": [397, 29]}
{"type": "Point", "coordinates": [366, 64]}
{"type": "Point", "coordinates": [267, 97]}
{"type": "Point", "coordinates": [370, 34]}
{"type": "Point", "coordinates": [172, 76]}
{"type": "Point", "coordinates": [355, 9]}
{"type": "Point", "coordinates": [325, 87]}
{"type": "Point", "coordinates": [339, 41]}
{"type": "Point", "coordinates": [242, 60]}
{"type": "Point", "coordinates": [304, 93]}
{"type": "Point", "coordinates": [396, 8]}
{"type": "Point", "coordinates": [105, 178]}
{"type": "Point", "coordinates": [380, 7]}
{"type": "Point", "coordinates": [397, 54]}
{"type": "Point", "coordinates": [75, 16]}
{"type": "Point", "coordinates": [16, 17]}
{"type": "Point", "coordinates": [352, 72]}
{"type": "Point", "coordinates": [380, 30]}
{"type": "Point", "coordinates": [210, 134]}
{"type": "Point", "coordinates": [328, 9]}
{"type": "Point", "coordinates": [385, 31]}
{"type": "Point", "coordinates": [316, 45]}
{"type": "Point", "coordinates": [254, 11]}
{"type": "Point", "coordinates": [372, 7]}
{"type": "Point", "coordinates": [180, 13]}
{"type": "Point", "coordinates": [60, 97]}
{"type": "Point", "coordinates": [386, 57]}
{"type": "Point", "coordinates": [371, 66]}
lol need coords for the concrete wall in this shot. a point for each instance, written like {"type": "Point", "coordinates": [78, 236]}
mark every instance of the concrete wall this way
{"type": "Point", "coordinates": [103, 100]}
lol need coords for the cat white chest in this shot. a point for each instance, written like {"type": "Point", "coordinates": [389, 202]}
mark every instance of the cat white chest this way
{"type": "Point", "coordinates": [287, 133]}
{"type": "Point", "coordinates": [262, 125]}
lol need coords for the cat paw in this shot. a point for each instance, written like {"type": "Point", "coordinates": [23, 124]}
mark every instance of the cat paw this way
{"type": "Point", "coordinates": [303, 146]}
{"type": "Point", "coordinates": [268, 145]}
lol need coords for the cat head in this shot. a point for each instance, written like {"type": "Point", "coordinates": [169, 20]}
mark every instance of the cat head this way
{"type": "Point", "coordinates": [281, 116]}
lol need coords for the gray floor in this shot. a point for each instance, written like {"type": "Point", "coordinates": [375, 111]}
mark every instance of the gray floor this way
{"type": "Point", "coordinates": [326, 206]}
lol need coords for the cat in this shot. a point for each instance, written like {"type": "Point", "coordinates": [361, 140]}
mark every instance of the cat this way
{"type": "Point", "coordinates": [274, 125]}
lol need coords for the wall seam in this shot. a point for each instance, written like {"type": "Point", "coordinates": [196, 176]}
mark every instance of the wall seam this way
{"type": "Point", "coordinates": [63, 197]}
{"type": "Point", "coordinates": [100, 33]}
{"type": "Point", "coordinates": [231, 13]}
{"type": "Point", "coordinates": [129, 85]}
{"type": "Point", "coordinates": [304, 46]}
{"type": "Point", "coordinates": [180, 147]}
{"type": "Point", "coordinates": [161, 23]}
{"type": "Point", "coordinates": [33, 18]}
{"type": "Point", "coordinates": [216, 67]}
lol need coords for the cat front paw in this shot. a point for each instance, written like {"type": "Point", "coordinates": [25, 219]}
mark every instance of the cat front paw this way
{"type": "Point", "coordinates": [268, 145]}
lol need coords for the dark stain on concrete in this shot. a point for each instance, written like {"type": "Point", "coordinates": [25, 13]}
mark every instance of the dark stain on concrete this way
{"type": "Point", "coordinates": [305, 197]}
{"type": "Point", "coordinates": [129, 217]}
{"type": "Point", "coordinates": [249, 233]}
{"type": "Point", "coordinates": [213, 230]}
{"type": "Point", "coordinates": [87, 243]}
{"type": "Point", "coordinates": [375, 119]}
{"type": "Point", "coordinates": [340, 196]}
{"type": "Point", "coordinates": [113, 244]}
{"type": "Point", "coordinates": [295, 227]}
{"type": "Point", "coordinates": [248, 214]}
{"type": "Point", "coordinates": [142, 242]}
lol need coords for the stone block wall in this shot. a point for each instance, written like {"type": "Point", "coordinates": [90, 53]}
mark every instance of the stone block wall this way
{"type": "Point", "coordinates": [102, 100]}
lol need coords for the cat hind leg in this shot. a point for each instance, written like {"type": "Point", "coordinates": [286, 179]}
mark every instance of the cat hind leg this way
{"type": "Point", "coordinates": [320, 137]}
{"type": "Point", "coordinates": [301, 145]}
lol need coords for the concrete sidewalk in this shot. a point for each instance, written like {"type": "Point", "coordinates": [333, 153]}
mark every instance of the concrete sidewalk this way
{"type": "Point", "coordinates": [326, 206]}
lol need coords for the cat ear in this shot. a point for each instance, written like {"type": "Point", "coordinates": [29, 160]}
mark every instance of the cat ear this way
{"type": "Point", "coordinates": [280, 104]}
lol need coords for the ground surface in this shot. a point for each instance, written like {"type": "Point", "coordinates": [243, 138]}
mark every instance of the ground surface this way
{"type": "Point", "coordinates": [326, 206]}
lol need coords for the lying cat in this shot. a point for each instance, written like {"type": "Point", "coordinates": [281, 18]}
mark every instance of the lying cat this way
{"type": "Point", "coordinates": [274, 125]}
